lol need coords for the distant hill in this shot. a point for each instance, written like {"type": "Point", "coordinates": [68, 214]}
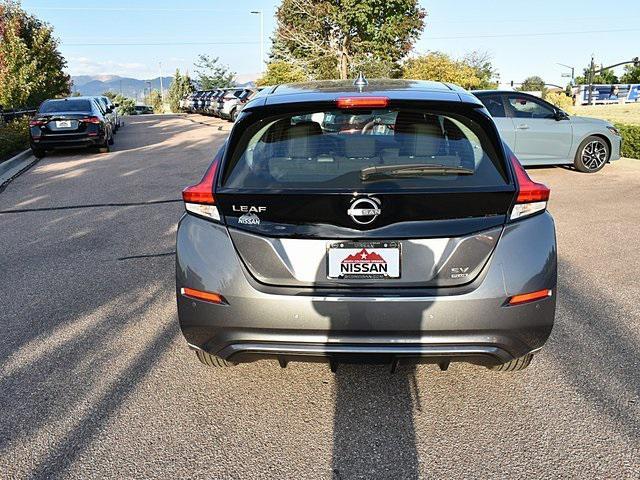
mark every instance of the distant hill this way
{"type": "Point", "coordinates": [130, 87]}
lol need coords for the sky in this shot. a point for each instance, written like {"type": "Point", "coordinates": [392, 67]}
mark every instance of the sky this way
{"type": "Point", "coordinates": [142, 38]}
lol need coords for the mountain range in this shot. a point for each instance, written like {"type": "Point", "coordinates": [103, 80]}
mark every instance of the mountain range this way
{"type": "Point", "coordinates": [130, 87]}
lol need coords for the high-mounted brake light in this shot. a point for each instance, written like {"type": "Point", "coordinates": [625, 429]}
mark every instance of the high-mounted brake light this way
{"type": "Point", "coordinates": [199, 198]}
{"type": "Point", "coordinates": [202, 295]}
{"type": "Point", "coordinates": [530, 297]}
{"type": "Point", "coordinates": [532, 196]}
{"type": "Point", "coordinates": [362, 102]}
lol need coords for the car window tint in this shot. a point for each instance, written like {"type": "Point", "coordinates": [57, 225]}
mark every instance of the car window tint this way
{"type": "Point", "coordinates": [329, 149]}
{"type": "Point", "coordinates": [51, 106]}
{"type": "Point", "coordinates": [494, 104]}
{"type": "Point", "coordinates": [526, 107]}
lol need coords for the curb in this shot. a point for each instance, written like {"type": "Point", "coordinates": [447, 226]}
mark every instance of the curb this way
{"type": "Point", "coordinates": [13, 167]}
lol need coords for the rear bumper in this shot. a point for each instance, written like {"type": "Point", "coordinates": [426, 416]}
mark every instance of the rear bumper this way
{"type": "Point", "coordinates": [75, 141]}
{"type": "Point", "coordinates": [469, 323]}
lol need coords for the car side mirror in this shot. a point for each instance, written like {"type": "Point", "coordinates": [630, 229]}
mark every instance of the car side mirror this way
{"type": "Point", "coordinates": [560, 115]}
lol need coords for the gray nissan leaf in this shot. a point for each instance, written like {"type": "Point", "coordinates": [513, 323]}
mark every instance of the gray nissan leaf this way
{"type": "Point", "coordinates": [382, 221]}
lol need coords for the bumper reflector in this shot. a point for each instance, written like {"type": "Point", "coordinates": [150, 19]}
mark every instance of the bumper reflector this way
{"type": "Point", "coordinates": [206, 296]}
{"type": "Point", "coordinates": [529, 297]}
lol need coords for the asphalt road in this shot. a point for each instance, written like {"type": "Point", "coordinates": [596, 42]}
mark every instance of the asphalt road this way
{"type": "Point", "coordinates": [97, 382]}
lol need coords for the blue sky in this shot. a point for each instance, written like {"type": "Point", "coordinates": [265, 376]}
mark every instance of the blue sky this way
{"type": "Point", "coordinates": [523, 40]}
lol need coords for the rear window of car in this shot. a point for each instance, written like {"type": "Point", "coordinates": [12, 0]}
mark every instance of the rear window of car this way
{"type": "Point", "coordinates": [336, 149]}
{"type": "Point", "coordinates": [51, 106]}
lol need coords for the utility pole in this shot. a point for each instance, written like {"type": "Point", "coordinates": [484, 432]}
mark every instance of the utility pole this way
{"type": "Point", "coordinates": [261, 13]}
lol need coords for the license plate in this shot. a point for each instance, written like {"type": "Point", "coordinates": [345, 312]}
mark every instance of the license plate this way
{"type": "Point", "coordinates": [365, 260]}
{"type": "Point", "coordinates": [63, 124]}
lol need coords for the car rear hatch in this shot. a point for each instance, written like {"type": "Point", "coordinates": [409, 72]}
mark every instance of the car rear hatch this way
{"type": "Point", "coordinates": [402, 194]}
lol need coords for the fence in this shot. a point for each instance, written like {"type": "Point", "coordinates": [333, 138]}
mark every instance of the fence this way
{"type": "Point", "coordinates": [7, 116]}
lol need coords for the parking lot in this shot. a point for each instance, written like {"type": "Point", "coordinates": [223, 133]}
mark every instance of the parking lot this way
{"type": "Point", "coordinates": [96, 380]}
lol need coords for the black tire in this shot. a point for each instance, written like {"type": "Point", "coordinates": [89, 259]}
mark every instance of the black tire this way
{"type": "Point", "coordinates": [514, 365]}
{"type": "Point", "coordinates": [213, 361]}
{"type": "Point", "coordinates": [234, 115]}
{"type": "Point", "coordinates": [111, 139]}
{"type": "Point", "coordinates": [592, 155]}
{"type": "Point", "coordinates": [38, 152]}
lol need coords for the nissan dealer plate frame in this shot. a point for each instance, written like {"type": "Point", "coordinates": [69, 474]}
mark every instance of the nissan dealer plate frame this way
{"type": "Point", "coordinates": [364, 260]}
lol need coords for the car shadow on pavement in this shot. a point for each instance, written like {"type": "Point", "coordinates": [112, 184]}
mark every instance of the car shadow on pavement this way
{"type": "Point", "coordinates": [373, 427]}
{"type": "Point", "coordinates": [593, 351]}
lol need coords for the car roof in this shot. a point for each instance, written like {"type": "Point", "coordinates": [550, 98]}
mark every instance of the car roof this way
{"type": "Point", "coordinates": [329, 90]}
{"type": "Point", "coordinates": [499, 92]}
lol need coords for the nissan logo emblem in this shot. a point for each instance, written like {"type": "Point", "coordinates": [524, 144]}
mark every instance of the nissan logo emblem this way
{"type": "Point", "coordinates": [364, 210]}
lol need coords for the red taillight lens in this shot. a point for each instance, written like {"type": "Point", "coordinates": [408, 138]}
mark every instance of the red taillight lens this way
{"type": "Point", "coordinates": [37, 123]}
{"type": "Point", "coordinates": [528, 190]}
{"type": "Point", "coordinates": [362, 102]}
{"type": "Point", "coordinates": [94, 120]}
{"type": "Point", "coordinates": [529, 297]}
{"type": "Point", "coordinates": [202, 295]}
{"type": "Point", "coordinates": [199, 198]}
{"type": "Point", "coordinates": [532, 197]}
{"type": "Point", "coordinates": [202, 192]}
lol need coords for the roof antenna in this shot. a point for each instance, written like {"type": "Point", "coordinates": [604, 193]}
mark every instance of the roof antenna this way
{"type": "Point", "coordinates": [360, 82]}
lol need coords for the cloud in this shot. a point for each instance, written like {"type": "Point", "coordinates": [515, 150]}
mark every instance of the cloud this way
{"type": "Point", "coordinates": [89, 66]}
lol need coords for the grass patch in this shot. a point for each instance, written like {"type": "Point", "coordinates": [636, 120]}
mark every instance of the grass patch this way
{"type": "Point", "coordinates": [14, 137]}
{"type": "Point", "coordinates": [628, 113]}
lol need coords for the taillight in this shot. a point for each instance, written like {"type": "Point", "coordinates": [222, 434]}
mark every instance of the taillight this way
{"type": "Point", "coordinates": [94, 120]}
{"type": "Point", "coordinates": [362, 102]}
{"type": "Point", "coordinates": [199, 198]}
{"type": "Point", "coordinates": [532, 196]}
{"type": "Point", "coordinates": [37, 123]}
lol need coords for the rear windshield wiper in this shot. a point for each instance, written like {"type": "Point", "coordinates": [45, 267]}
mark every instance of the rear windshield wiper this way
{"type": "Point", "coordinates": [412, 170]}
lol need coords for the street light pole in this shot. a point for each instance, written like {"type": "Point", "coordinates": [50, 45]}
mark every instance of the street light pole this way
{"type": "Point", "coordinates": [573, 72]}
{"type": "Point", "coordinates": [261, 13]}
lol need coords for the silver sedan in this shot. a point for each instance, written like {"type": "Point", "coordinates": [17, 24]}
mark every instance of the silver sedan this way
{"type": "Point", "coordinates": [542, 134]}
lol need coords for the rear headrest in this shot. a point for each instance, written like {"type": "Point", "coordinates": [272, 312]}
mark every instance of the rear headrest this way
{"type": "Point", "coordinates": [359, 146]}
{"type": "Point", "coordinates": [421, 140]}
{"type": "Point", "coordinates": [303, 139]}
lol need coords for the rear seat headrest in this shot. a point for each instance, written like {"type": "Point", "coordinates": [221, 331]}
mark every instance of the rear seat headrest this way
{"type": "Point", "coordinates": [421, 140]}
{"type": "Point", "coordinates": [359, 146]}
{"type": "Point", "coordinates": [303, 139]}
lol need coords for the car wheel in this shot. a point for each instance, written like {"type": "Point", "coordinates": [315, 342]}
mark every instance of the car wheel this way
{"type": "Point", "coordinates": [213, 361]}
{"type": "Point", "coordinates": [38, 152]}
{"type": "Point", "coordinates": [593, 153]}
{"type": "Point", "coordinates": [234, 116]}
{"type": "Point", "coordinates": [514, 365]}
{"type": "Point", "coordinates": [111, 139]}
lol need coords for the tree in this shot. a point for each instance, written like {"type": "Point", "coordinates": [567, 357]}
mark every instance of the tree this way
{"type": "Point", "coordinates": [441, 67]}
{"type": "Point", "coordinates": [282, 72]}
{"type": "Point", "coordinates": [607, 77]}
{"type": "Point", "coordinates": [333, 38]}
{"type": "Point", "coordinates": [482, 64]}
{"type": "Point", "coordinates": [631, 74]}
{"type": "Point", "coordinates": [211, 74]}
{"type": "Point", "coordinates": [126, 105]}
{"type": "Point", "coordinates": [31, 67]}
{"type": "Point", "coordinates": [180, 87]}
{"type": "Point", "coordinates": [532, 84]}
{"type": "Point", "coordinates": [154, 100]}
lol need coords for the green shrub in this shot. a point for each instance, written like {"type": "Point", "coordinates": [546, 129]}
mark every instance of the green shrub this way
{"type": "Point", "coordinates": [559, 99]}
{"type": "Point", "coordinates": [14, 137]}
{"type": "Point", "coordinates": [630, 140]}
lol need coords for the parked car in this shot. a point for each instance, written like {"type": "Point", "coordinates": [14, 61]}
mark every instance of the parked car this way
{"type": "Point", "coordinates": [206, 104]}
{"type": "Point", "coordinates": [541, 134]}
{"type": "Point", "coordinates": [215, 104]}
{"type": "Point", "coordinates": [246, 97]}
{"type": "Point", "coordinates": [142, 110]}
{"type": "Point", "coordinates": [109, 111]}
{"type": "Point", "coordinates": [419, 237]}
{"type": "Point", "coordinates": [229, 101]}
{"type": "Point", "coordinates": [69, 122]}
